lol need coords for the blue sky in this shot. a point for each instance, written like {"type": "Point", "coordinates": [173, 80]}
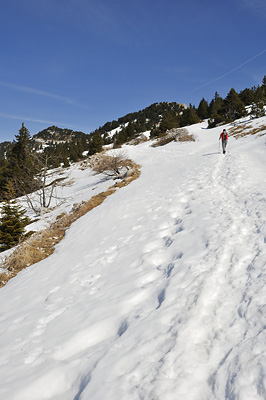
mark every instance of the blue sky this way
{"type": "Point", "coordinates": [80, 63]}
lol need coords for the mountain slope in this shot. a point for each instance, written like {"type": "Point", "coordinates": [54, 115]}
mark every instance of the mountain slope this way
{"type": "Point", "coordinates": [53, 133]}
{"type": "Point", "coordinates": [159, 293]}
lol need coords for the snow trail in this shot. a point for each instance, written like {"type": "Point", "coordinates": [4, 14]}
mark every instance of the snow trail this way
{"type": "Point", "coordinates": [159, 294]}
{"type": "Point", "coordinates": [207, 294]}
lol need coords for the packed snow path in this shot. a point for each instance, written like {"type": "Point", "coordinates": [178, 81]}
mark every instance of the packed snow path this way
{"type": "Point", "coordinates": [158, 294]}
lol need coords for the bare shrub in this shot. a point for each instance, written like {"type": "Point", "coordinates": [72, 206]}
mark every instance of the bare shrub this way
{"type": "Point", "coordinates": [42, 191]}
{"type": "Point", "coordinates": [114, 166]}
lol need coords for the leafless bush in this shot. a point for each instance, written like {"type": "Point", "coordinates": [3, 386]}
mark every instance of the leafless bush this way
{"type": "Point", "coordinates": [114, 166]}
{"type": "Point", "coordinates": [40, 200]}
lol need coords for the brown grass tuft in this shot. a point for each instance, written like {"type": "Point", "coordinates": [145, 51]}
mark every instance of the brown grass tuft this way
{"type": "Point", "coordinates": [187, 138]}
{"type": "Point", "coordinates": [241, 131]}
{"type": "Point", "coordinates": [162, 141]}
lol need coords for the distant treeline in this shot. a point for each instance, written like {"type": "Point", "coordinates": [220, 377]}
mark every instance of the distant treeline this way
{"type": "Point", "coordinates": [160, 117]}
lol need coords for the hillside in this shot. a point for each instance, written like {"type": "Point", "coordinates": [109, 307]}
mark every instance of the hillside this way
{"type": "Point", "coordinates": [157, 294]}
{"type": "Point", "coordinates": [56, 134]}
{"type": "Point", "coordinates": [60, 144]}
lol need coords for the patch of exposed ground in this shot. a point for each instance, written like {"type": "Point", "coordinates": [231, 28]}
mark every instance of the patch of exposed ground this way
{"type": "Point", "coordinates": [242, 130]}
{"type": "Point", "coordinates": [175, 134]}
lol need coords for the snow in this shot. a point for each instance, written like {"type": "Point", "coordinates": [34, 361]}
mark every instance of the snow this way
{"type": "Point", "coordinates": [77, 184]}
{"type": "Point", "coordinates": [147, 134]}
{"type": "Point", "coordinates": [158, 293]}
{"type": "Point", "coordinates": [116, 130]}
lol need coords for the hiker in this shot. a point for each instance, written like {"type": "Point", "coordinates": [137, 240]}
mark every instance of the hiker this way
{"type": "Point", "coordinates": [224, 137]}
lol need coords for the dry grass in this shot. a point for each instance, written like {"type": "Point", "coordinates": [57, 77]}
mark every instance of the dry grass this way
{"type": "Point", "coordinates": [241, 131]}
{"type": "Point", "coordinates": [187, 138]}
{"type": "Point", "coordinates": [162, 141]}
{"type": "Point", "coordinates": [4, 278]}
{"type": "Point", "coordinates": [41, 244]}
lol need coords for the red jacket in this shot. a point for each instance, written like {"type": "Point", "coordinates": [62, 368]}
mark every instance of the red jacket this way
{"type": "Point", "coordinates": [224, 136]}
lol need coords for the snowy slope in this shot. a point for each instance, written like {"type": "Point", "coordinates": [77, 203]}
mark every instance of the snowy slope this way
{"type": "Point", "coordinates": [157, 294]}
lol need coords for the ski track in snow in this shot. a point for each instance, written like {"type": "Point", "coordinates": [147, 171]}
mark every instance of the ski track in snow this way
{"type": "Point", "coordinates": [168, 300]}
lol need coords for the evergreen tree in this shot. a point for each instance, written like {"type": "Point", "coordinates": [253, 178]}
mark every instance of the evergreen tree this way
{"type": "Point", "coordinates": [21, 163]}
{"type": "Point", "coordinates": [247, 96]}
{"type": "Point", "coordinates": [96, 144]}
{"type": "Point", "coordinates": [215, 120]}
{"type": "Point", "coordinates": [189, 116]}
{"type": "Point", "coordinates": [20, 152]}
{"type": "Point", "coordinates": [3, 178]}
{"type": "Point", "coordinates": [130, 130]}
{"type": "Point", "coordinates": [259, 94]}
{"type": "Point", "coordinates": [233, 107]}
{"type": "Point", "coordinates": [12, 223]}
{"type": "Point", "coordinates": [203, 109]}
{"type": "Point", "coordinates": [257, 109]}
{"type": "Point", "coordinates": [66, 162]}
{"type": "Point", "coordinates": [263, 86]}
{"type": "Point", "coordinates": [170, 120]}
{"type": "Point", "coordinates": [215, 105]}
{"type": "Point", "coordinates": [73, 153]}
{"type": "Point", "coordinates": [120, 137]}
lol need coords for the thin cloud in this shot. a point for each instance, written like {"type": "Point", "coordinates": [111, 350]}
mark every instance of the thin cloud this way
{"type": "Point", "coordinates": [229, 72]}
{"type": "Point", "coordinates": [257, 6]}
{"type": "Point", "coordinates": [31, 90]}
{"type": "Point", "coordinates": [41, 121]}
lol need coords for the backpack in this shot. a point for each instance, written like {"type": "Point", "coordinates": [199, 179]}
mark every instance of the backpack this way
{"type": "Point", "coordinates": [225, 135]}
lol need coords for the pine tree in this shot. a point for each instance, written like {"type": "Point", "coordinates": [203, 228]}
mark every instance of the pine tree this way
{"type": "Point", "coordinates": [259, 94]}
{"type": "Point", "coordinates": [12, 224]}
{"type": "Point", "coordinates": [66, 162]}
{"type": "Point", "coordinates": [189, 116]}
{"type": "Point", "coordinates": [170, 120]}
{"type": "Point", "coordinates": [203, 109]}
{"type": "Point", "coordinates": [215, 105]}
{"type": "Point", "coordinates": [264, 87]}
{"type": "Point", "coordinates": [21, 163]}
{"type": "Point", "coordinates": [247, 96]}
{"type": "Point", "coordinates": [257, 109]}
{"type": "Point", "coordinates": [96, 144]}
{"type": "Point", "coordinates": [120, 137]}
{"type": "Point", "coordinates": [233, 107]}
{"type": "Point", "coordinates": [130, 130]}
{"type": "Point", "coordinates": [20, 152]}
{"type": "Point", "coordinates": [73, 153]}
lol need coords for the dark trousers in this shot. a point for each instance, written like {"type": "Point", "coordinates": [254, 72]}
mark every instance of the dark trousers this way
{"type": "Point", "coordinates": [224, 143]}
